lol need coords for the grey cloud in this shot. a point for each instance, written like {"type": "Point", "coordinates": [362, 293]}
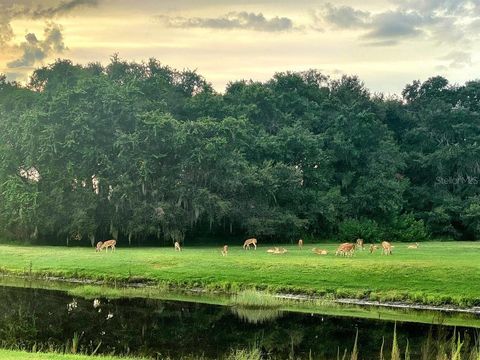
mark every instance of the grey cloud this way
{"type": "Point", "coordinates": [457, 59]}
{"type": "Point", "coordinates": [345, 16]}
{"type": "Point", "coordinates": [450, 21]}
{"type": "Point", "coordinates": [35, 50]}
{"type": "Point", "coordinates": [395, 24]}
{"type": "Point", "coordinates": [11, 10]}
{"type": "Point", "coordinates": [61, 8]}
{"type": "Point", "coordinates": [233, 20]}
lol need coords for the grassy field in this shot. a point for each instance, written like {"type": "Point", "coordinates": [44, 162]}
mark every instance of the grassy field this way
{"type": "Point", "coordinates": [436, 273]}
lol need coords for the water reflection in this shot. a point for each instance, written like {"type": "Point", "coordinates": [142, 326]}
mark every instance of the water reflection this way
{"type": "Point", "coordinates": [256, 316]}
{"type": "Point", "coordinates": [52, 320]}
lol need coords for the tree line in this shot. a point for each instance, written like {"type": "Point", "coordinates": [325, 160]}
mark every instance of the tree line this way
{"type": "Point", "coordinates": [148, 154]}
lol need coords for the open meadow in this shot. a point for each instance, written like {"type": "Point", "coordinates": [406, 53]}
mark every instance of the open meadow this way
{"type": "Point", "coordinates": [435, 273]}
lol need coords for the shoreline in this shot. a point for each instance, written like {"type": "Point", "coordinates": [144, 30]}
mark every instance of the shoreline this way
{"type": "Point", "coordinates": [172, 288]}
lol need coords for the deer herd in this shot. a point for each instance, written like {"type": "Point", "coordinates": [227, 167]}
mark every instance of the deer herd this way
{"type": "Point", "coordinates": [345, 249]}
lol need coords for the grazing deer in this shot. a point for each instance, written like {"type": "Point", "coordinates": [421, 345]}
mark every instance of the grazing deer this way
{"type": "Point", "coordinates": [360, 244]}
{"type": "Point", "coordinates": [300, 244]}
{"type": "Point", "coordinates": [413, 246]}
{"type": "Point", "coordinates": [248, 242]}
{"type": "Point", "coordinates": [177, 246]}
{"type": "Point", "coordinates": [99, 246]}
{"type": "Point", "coordinates": [106, 244]}
{"type": "Point", "coordinates": [319, 251]}
{"type": "Point", "coordinates": [225, 250]}
{"type": "Point", "coordinates": [373, 248]}
{"type": "Point", "coordinates": [386, 248]}
{"type": "Point", "coordinates": [345, 249]}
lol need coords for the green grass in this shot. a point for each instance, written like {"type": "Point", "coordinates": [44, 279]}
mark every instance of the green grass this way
{"type": "Point", "coordinates": [256, 299]}
{"type": "Point", "coordinates": [436, 273]}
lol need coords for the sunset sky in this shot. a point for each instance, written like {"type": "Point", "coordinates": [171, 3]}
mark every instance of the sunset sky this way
{"type": "Point", "coordinates": [387, 43]}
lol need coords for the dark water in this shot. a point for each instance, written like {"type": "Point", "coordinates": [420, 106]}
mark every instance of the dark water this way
{"type": "Point", "coordinates": [50, 319]}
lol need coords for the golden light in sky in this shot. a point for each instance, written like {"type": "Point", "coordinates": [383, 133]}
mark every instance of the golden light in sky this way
{"type": "Point", "coordinates": [387, 43]}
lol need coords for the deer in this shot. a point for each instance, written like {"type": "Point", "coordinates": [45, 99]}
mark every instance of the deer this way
{"type": "Point", "coordinates": [360, 244]}
{"type": "Point", "coordinates": [386, 248]}
{"type": "Point", "coordinates": [225, 250]}
{"type": "Point", "coordinates": [373, 248]}
{"type": "Point", "coordinates": [300, 244]}
{"type": "Point", "coordinates": [177, 246]}
{"type": "Point", "coordinates": [106, 244]}
{"type": "Point", "coordinates": [248, 242]}
{"type": "Point", "coordinates": [345, 249]}
{"type": "Point", "coordinates": [277, 250]}
{"type": "Point", "coordinates": [413, 246]}
{"type": "Point", "coordinates": [319, 251]}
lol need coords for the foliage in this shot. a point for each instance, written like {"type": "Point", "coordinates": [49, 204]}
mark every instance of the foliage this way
{"type": "Point", "coordinates": [148, 154]}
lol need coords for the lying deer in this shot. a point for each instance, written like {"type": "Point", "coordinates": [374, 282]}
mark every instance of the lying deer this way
{"type": "Point", "coordinates": [386, 248]}
{"type": "Point", "coordinates": [320, 251]}
{"type": "Point", "coordinates": [225, 250]}
{"type": "Point", "coordinates": [413, 246]}
{"type": "Point", "coordinates": [177, 246]}
{"type": "Point", "coordinates": [300, 244]}
{"type": "Point", "coordinates": [106, 244]}
{"type": "Point", "coordinates": [248, 242]}
{"type": "Point", "coordinates": [277, 250]}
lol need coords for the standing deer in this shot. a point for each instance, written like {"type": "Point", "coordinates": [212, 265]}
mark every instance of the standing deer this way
{"type": "Point", "coordinates": [373, 248]}
{"type": "Point", "coordinates": [225, 250]}
{"type": "Point", "coordinates": [248, 242]}
{"type": "Point", "coordinates": [177, 246]}
{"type": "Point", "coordinates": [106, 244]}
{"type": "Point", "coordinates": [386, 248]}
{"type": "Point", "coordinates": [300, 244]}
{"type": "Point", "coordinates": [345, 249]}
{"type": "Point", "coordinates": [360, 244]}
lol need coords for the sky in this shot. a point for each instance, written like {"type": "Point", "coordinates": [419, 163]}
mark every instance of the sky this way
{"type": "Point", "coordinates": [387, 43]}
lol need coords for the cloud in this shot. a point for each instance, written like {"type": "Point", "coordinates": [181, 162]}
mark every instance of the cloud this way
{"type": "Point", "coordinates": [234, 20]}
{"type": "Point", "coordinates": [394, 25]}
{"type": "Point", "coordinates": [62, 8]}
{"type": "Point", "coordinates": [11, 10]}
{"type": "Point", "coordinates": [450, 21]}
{"type": "Point", "coordinates": [34, 50]}
{"type": "Point", "coordinates": [344, 17]}
{"type": "Point", "coordinates": [457, 59]}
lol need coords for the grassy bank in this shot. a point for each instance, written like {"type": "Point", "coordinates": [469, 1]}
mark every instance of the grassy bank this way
{"type": "Point", "coordinates": [435, 273]}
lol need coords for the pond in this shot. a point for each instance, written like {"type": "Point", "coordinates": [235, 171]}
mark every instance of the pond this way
{"type": "Point", "coordinates": [52, 320]}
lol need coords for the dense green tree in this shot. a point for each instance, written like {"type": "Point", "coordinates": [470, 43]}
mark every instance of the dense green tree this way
{"type": "Point", "coordinates": [145, 153]}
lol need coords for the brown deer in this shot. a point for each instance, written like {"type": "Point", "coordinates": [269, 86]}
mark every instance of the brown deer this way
{"type": "Point", "coordinates": [345, 249]}
{"type": "Point", "coordinates": [373, 248]}
{"type": "Point", "coordinates": [248, 242]}
{"type": "Point", "coordinates": [177, 246]}
{"type": "Point", "coordinates": [413, 246]}
{"type": "Point", "coordinates": [106, 244]}
{"type": "Point", "coordinates": [300, 244]}
{"type": "Point", "coordinates": [225, 250]}
{"type": "Point", "coordinates": [319, 251]}
{"type": "Point", "coordinates": [386, 248]}
{"type": "Point", "coordinates": [360, 244]}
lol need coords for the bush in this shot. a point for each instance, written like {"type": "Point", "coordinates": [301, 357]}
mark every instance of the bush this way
{"type": "Point", "coordinates": [406, 229]}
{"type": "Point", "coordinates": [352, 229]}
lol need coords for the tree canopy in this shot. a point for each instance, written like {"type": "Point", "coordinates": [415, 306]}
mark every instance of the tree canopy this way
{"type": "Point", "coordinates": [147, 154]}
